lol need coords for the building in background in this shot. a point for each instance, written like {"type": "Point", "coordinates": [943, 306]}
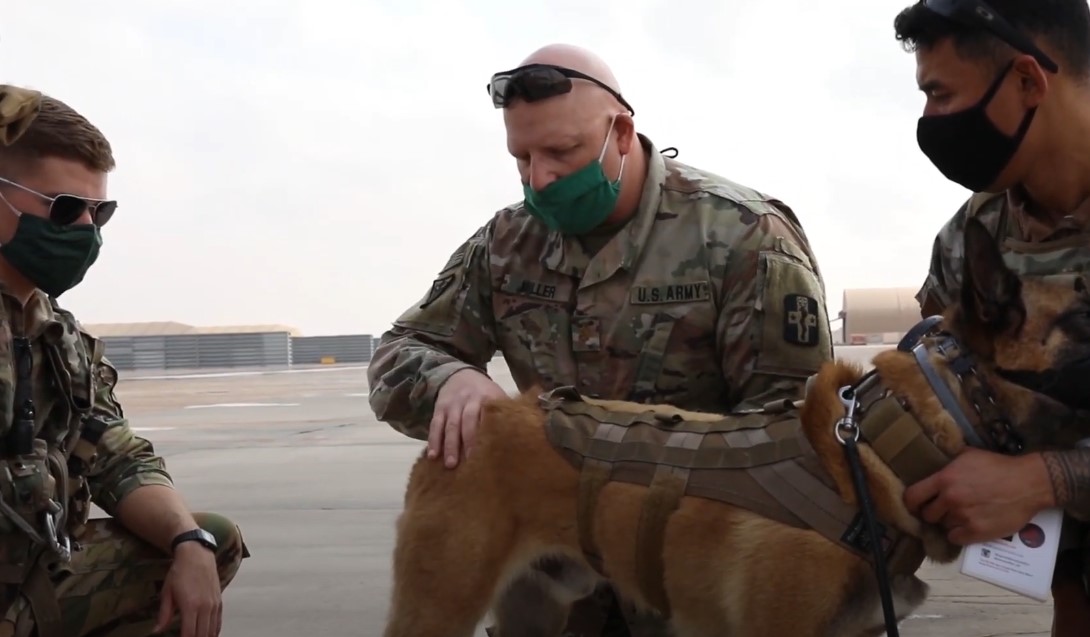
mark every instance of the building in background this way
{"type": "Point", "coordinates": [877, 316]}
{"type": "Point", "coordinates": [872, 319]}
{"type": "Point", "coordinates": [169, 345]}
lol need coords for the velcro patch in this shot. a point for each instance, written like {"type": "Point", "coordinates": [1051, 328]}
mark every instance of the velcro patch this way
{"type": "Point", "coordinates": [669, 293]}
{"type": "Point", "coordinates": [800, 320]}
{"type": "Point", "coordinates": [513, 284]}
{"type": "Point", "coordinates": [456, 259]}
{"type": "Point", "coordinates": [438, 287]}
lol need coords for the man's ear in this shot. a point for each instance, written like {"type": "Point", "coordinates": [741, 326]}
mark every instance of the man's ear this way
{"type": "Point", "coordinates": [625, 129]}
{"type": "Point", "coordinates": [991, 294]}
{"type": "Point", "coordinates": [1032, 81]}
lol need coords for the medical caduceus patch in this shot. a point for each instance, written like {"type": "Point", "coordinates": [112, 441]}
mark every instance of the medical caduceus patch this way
{"type": "Point", "coordinates": [800, 320]}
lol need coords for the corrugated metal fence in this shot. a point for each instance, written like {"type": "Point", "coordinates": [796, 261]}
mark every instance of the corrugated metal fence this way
{"type": "Point", "coordinates": [219, 351]}
{"type": "Point", "coordinates": [343, 348]}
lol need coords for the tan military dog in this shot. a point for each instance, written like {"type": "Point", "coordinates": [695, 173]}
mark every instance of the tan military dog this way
{"type": "Point", "coordinates": [510, 512]}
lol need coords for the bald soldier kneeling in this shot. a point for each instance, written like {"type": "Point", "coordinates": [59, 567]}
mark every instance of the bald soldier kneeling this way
{"type": "Point", "coordinates": [623, 272]}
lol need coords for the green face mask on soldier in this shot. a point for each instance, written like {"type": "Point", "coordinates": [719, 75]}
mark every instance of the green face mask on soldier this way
{"type": "Point", "coordinates": [53, 257]}
{"type": "Point", "coordinates": [578, 202]}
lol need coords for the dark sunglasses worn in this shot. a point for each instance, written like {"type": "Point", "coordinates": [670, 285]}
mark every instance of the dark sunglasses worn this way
{"type": "Point", "coordinates": [535, 82]}
{"type": "Point", "coordinates": [977, 14]}
{"type": "Point", "coordinates": [65, 209]}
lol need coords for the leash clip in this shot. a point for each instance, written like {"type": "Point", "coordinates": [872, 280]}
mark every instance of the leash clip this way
{"type": "Point", "coordinates": [846, 428]}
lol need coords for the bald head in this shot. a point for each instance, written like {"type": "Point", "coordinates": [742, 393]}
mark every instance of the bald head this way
{"type": "Point", "coordinates": [577, 59]}
{"type": "Point", "coordinates": [556, 136]}
{"type": "Point", "coordinates": [586, 96]}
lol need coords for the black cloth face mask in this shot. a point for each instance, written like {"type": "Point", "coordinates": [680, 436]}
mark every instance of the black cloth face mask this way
{"type": "Point", "coordinates": [966, 146]}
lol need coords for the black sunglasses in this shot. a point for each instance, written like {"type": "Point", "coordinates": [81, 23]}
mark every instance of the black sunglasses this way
{"type": "Point", "coordinates": [977, 13]}
{"type": "Point", "coordinates": [535, 82]}
{"type": "Point", "coordinates": [65, 209]}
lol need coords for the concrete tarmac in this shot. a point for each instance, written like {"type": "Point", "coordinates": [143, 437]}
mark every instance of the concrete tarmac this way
{"type": "Point", "coordinates": [299, 461]}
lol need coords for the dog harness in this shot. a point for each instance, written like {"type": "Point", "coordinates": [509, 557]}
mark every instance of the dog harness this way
{"type": "Point", "coordinates": [759, 460]}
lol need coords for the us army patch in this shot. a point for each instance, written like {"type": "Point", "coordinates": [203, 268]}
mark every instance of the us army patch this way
{"type": "Point", "coordinates": [438, 286]}
{"type": "Point", "coordinates": [800, 320]}
{"type": "Point", "coordinates": [669, 293]}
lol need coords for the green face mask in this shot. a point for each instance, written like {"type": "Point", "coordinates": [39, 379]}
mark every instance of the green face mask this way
{"type": "Point", "coordinates": [54, 258]}
{"type": "Point", "coordinates": [579, 202]}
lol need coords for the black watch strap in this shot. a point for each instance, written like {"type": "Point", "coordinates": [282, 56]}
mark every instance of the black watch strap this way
{"type": "Point", "coordinates": [196, 535]}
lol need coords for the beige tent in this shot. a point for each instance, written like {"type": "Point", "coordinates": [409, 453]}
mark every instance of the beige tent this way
{"type": "Point", "coordinates": [878, 315]}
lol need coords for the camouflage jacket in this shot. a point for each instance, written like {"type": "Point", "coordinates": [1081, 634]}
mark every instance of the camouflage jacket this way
{"type": "Point", "coordinates": [1029, 246]}
{"type": "Point", "coordinates": [709, 298]}
{"type": "Point", "coordinates": [71, 380]}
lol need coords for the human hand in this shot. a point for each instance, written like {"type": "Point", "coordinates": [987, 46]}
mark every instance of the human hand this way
{"type": "Point", "coordinates": [192, 588]}
{"type": "Point", "coordinates": [982, 495]}
{"type": "Point", "coordinates": [457, 411]}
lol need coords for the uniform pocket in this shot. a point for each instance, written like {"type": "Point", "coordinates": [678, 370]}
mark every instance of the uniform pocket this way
{"type": "Point", "coordinates": [536, 338]}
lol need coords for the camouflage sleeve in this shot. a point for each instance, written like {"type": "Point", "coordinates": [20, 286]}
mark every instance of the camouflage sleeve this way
{"type": "Point", "coordinates": [773, 329]}
{"type": "Point", "coordinates": [448, 330]}
{"type": "Point", "coordinates": [123, 461]}
{"type": "Point", "coordinates": [940, 287]}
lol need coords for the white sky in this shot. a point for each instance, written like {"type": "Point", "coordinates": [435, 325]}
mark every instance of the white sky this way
{"type": "Point", "coordinates": [272, 153]}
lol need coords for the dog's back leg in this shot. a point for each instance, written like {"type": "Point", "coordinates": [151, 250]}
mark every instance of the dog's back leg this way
{"type": "Point", "coordinates": [537, 603]}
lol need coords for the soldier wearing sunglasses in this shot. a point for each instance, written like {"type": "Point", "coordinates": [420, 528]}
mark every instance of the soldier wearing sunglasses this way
{"type": "Point", "coordinates": [1007, 116]}
{"type": "Point", "coordinates": [623, 272]}
{"type": "Point", "coordinates": [64, 441]}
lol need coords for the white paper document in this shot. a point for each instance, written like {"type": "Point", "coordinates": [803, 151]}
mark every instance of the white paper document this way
{"type": "Point", "coordinates": [1022, 563]}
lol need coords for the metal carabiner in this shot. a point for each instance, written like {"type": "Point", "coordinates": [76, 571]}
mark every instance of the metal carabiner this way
{"type": "Point", "coordinates": [58, 541]}
{"type": "Point", "coordinates": [846, 427]}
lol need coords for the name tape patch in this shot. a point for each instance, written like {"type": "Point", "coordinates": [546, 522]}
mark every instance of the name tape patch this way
{"type": "Point", "coordinates": [669, 293]}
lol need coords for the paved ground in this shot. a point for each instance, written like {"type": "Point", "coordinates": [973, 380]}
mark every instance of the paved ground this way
{"type": "Point", "coordinates": [299, 461]}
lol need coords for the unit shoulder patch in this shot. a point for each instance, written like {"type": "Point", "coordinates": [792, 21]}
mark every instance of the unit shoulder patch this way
{"type": "Point", "coordinates": [800, 320]}
{"type": "Point", "coordinates": [438, 287]}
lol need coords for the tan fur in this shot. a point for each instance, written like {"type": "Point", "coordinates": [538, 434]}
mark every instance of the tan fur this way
{"type": "Point", "coordinates": [514, 500]}
{"type": "Point", "coordinates": [466, 535]}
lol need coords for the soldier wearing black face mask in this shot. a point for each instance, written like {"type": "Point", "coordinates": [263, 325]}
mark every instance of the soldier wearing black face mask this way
{"type": "Point", "coordinates": [150, 565]}
{"type": "Point", "coordinates": [1007, 116]}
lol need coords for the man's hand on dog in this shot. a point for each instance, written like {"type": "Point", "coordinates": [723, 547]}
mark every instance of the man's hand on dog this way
{"type": "Point", "coordinates": [457, 411]}
{"type": "Point", "coordinates": [981, 495]}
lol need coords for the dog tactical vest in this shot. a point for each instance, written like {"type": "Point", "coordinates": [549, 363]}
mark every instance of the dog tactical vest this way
{"type": "Point", "coordinates": [760, 461]}
{"type": "Point", "coordinates": [44, 497]}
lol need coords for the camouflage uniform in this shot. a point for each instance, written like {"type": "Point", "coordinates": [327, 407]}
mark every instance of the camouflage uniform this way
{"type": "Point", "coordinates": [84, 452]}
{"type": "Point", "coordinates": [1030, 247]}
{"type": "Point", "coordinates": [708, 298]}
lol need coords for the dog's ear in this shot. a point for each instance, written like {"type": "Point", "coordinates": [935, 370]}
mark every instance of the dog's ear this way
{"type": "Point", "coordinates": [991, 294]}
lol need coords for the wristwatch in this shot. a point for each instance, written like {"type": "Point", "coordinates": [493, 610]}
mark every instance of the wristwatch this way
{"type": "Point", "coordinates": [200, 536]}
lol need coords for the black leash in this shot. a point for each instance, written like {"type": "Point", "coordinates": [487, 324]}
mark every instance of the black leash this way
{"type": "Point", "coordinates": [847, 432]}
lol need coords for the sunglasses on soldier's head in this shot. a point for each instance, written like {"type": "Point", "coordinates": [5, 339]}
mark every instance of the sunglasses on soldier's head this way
{"type": "Point", "coordinates": [977, 14]}
{"type": "Point", "coordinates": [535, 82]}
{"type": "Point", "coordinates": [65, 209]}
